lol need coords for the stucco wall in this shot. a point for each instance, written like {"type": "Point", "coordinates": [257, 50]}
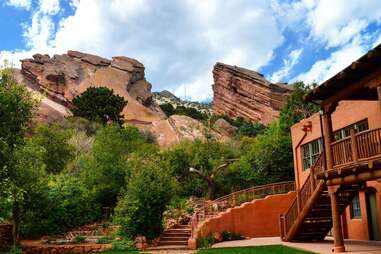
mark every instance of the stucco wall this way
{"type": "Point", "coordinates": [259, 218]}
{"type": "Point", "coordinates": [347, 113]}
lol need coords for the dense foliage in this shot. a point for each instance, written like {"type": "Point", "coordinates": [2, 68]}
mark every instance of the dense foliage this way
{"type": "Point", "coordinates": [194, 113]}
{"type": "Point", "coordinates": [99, 104]}
{"type": "Point", "coordinates": [149, 190]}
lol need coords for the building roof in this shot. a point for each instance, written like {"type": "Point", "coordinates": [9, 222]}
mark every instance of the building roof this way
{"type": "Point", "coordinates": [359, 69]}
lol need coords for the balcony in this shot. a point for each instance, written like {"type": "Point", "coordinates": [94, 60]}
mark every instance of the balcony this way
{"type": "Point", "coordinates": [355, 158]}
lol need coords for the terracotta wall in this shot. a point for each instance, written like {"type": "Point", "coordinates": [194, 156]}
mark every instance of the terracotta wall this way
{"type": "Point", "coordinates": [259, 218]}
{"type": "Point", "coordinates": [357, 228]}
{"type": "Point", "coordinates": [346, 113]}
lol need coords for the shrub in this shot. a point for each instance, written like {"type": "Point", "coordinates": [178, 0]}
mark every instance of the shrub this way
{"type": "Point", "coordinates": [79, 239]}
{"type": "Point", "coordinates": [105, 239]}
{"type": "Point", "coordinates": [167, 108]}
{"type": "Point", "coordinates": [123, 245]}
{"type": "Point", "coordinates": [205, 242]}
{"type": "Point", "coordinates": [99, 104]}
{"type": "Point", "coordinates": [231, 236]}
{"type": "Point", "coordinates": [141, 206]}
{"type": "Point", "coordinates": [64, 204]}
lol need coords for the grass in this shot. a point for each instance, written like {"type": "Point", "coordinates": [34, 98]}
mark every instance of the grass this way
{"type": "Point", "coordinates": [272, 249]}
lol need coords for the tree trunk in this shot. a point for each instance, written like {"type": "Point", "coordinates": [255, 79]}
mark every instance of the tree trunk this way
{"type": "Point", "coordinates": [211, 190]}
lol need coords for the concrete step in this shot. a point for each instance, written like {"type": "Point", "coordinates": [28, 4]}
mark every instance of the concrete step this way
{"type": "Point", "coordinates": [173, 247]}
{"type": "Point", "coordinates": [169, 234]}
{"type": "Point", "coordinates": [174, 238]}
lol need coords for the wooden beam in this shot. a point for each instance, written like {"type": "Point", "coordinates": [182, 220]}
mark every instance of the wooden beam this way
{"type": "Point", "coordinates": [369, 81]}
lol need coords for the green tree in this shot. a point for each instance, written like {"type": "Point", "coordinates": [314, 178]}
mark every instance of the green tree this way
{"type": "Point", "coordinates": [99, 104]}
{"type": "Point", "coordinates": [296, 108]}
{"type": "Point", "coordinates": [58, 152]}
{"type": "Point", "coordinates": [167, 108]}
{"type": "Point", "coordinates": [149, 190]}
{"type": "Point", "coordinates": [104, 169]}
{"type": "Point", "coordinates": [27, 178]}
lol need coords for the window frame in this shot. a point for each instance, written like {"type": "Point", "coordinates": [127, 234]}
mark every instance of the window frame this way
{"type": "Point", "coordinates": [312, 153]}
{"type": "Point", "coordinates": [345, 132]}
{"type": "Point", "coordinates": [355, 208]}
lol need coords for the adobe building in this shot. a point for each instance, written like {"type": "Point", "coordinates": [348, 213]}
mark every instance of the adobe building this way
{"type": "Point", "coordinates": [337, 159]}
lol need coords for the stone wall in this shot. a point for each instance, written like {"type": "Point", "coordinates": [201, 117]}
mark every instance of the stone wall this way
{"type": "Point", "coordinates": [6, 236]}
{"type": "Point", "coordinates": [239, 92]}
{"type": "Point", "coordinates": [67, 248]}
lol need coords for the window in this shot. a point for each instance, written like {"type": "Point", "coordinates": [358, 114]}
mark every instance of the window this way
{"type": "Point", "coordinates": [355, 208]}
{"type": "Point", "coordinates": [346, 132]}
{"type": "Point", "coordinates": [311, 152]}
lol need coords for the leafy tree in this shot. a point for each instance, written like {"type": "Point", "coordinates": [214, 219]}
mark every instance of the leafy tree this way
{"type": "Point", "coordinates": [64, 204]}
{"type": "Point", "coordinates": [149, 190]}
{"type": "Point", "coordinates": [99, 104]}
{"type": "Point", "coordinates": [57, 150]}
{"type": "Point", "coordinates": [296, 108]}
{"type": "Point", "coordinates": [206, 160]}
{"type": "Point", "coordinates": [104, 168]}
{"type": "Point", "coordinates": [191, 112]}
{"type": "Point", "coordinates": [168, 109]}
{"type": "Point", "coordinates": [26, 180]}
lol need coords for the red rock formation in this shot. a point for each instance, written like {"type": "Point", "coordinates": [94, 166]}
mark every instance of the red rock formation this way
{"type": "Point", "coordinates": [62, 77]}
{"type": "Point", "coordinates": [239, 92]}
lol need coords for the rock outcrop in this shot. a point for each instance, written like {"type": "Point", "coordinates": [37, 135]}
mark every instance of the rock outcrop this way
{"type": "Point", "coordinates": [62, 77]}
{"type": "Point", "coordinates": [58, 79]}
{"type": "Point", "coordinates": [239, 92]}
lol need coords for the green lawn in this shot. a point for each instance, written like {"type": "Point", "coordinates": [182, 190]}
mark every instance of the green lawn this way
{"type": "Point", "coordinates": [273, 249]}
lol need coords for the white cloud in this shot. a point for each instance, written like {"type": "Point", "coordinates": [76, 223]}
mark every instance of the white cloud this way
{"type": "Point", "coordinates": [178, 41]}
{"type": "Point", "coordinates": [288, 64]}
{"type": "Point", "coordinates": [337, 22]}
{"type": "Point", "coordinates": [49, 6]}
{"type": "Point", "coordinates": [338, 60]}
{"type": "Point", "coordinates": [22, 4]}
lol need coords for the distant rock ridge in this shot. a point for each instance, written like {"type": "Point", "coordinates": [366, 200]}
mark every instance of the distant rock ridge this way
{"type": "Point", "coordinates": [240, 92]}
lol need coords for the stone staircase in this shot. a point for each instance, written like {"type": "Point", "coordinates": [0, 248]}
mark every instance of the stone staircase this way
{"type": "Point", "coordinates": [174, 239]}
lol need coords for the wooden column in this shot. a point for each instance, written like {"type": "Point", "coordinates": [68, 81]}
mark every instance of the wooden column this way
{"type": "Point", "coordinates": [354, 147]}
{"type": "Point", "coordinates": [379, 95]}
{"type": "Point", "coordinates": [327, 132]}
{"type": "Point", "coordinates": [336, 221]}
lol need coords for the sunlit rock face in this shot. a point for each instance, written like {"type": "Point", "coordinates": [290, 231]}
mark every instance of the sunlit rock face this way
{"type": "Point", "coordinates": [62, 77]}
{"type": "Point", "coordinates": [239, 92]}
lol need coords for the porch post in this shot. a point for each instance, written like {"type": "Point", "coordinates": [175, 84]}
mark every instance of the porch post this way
{"type": "Point", "coordinates": [327, 129]}
{"type": "Point", "coordinates": [379, 95]}
{"type": "Point", "coordinates": [336, 220]}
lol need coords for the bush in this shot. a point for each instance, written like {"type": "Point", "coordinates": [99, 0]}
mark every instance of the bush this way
{"type": "Point", "coordinates": [105, 239]}
{"type": "Point", "coordinates": [79, 239]}
{"type": "Point", "coordinates": [205, 242]}
{"type": "Point", "coordinates": [123, 245]}
{"type": "Point", "coordinates": [14, 250]}
{"type": "Point", "coordinates": [231, 236]}
{"type": "Point", "coordinates": [141, 206]}
{"type": "Point", "coordinates": [65, 204]}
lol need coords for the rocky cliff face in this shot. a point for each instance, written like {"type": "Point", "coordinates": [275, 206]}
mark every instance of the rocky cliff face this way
{"type": "Point", "coordinates": [58, 79]}
{"type": "Point", "coordinates": [239, 92]}
{"type": "Point", "coordinates": [62, 77]}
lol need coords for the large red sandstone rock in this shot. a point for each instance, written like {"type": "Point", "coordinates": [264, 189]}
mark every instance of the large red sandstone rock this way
{"type": "Point", "coordinates": [239, 92]}
{"type": "Point", "coordinates": [62, 77]}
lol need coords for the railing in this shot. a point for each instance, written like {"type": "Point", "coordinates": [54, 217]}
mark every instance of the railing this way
{"type": "Point", "coordinates": [288, 219]}
{"type": "Point", "coordinates": [211, 208]}
{"type": "Point", "coordinates": [358, 146]}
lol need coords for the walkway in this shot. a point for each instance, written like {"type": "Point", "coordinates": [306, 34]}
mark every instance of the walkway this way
{"type": "Point", "coordinates": [352, 246]}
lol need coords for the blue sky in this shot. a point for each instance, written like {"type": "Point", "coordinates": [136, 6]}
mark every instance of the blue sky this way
{"type": "Point", "coordinates": [180, 41]}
